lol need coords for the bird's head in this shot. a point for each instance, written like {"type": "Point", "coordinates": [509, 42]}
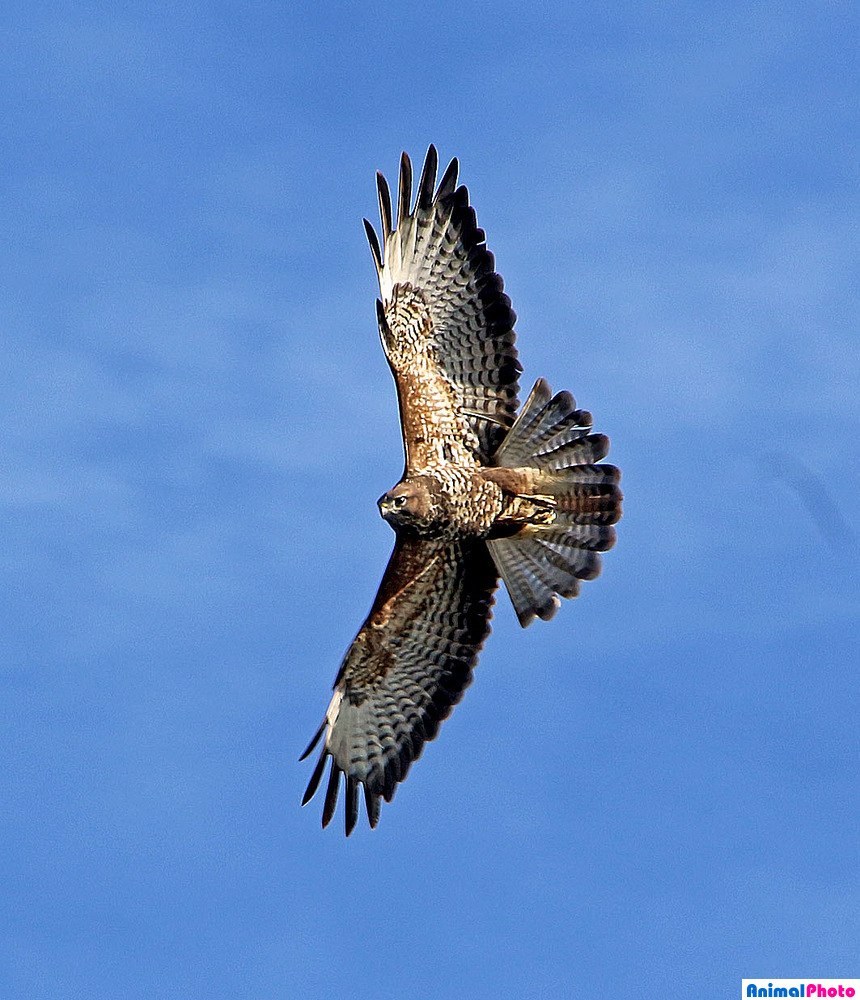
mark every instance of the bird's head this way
{"type": "Point", "coordinates": [407, 505]}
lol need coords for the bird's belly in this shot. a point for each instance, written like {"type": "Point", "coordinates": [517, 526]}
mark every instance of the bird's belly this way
{"type": "Point", "coordinates": [470, 503]}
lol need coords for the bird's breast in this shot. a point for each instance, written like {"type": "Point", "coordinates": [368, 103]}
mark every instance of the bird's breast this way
{"type": "Point", "coordinates": [468, 503]}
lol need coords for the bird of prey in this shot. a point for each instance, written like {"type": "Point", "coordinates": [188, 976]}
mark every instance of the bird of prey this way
{"type": "Point", "coordinates": [486, 492]}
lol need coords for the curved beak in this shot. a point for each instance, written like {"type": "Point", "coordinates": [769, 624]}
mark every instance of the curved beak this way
{"type": "Point", "coordinates": [384, 504]}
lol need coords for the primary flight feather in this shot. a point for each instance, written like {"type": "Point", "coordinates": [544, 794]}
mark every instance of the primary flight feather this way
{"type": "Point", "coordinates": [485, 492]}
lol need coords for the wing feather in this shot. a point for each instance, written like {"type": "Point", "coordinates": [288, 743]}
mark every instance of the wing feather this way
{"type": "Point", "coordinates": [314, 783]}
{"type": "Point", "coordinates": [374, 245]}
{"type": "Point", "coordinates": [384, 196]}
{"type": "Point", "coordinates": [427, 183]}
{"type": "Point", "coordinates": [404, 191]}
{"type": "Point", "coordinates": [446, 324]}
{"type": "Point", "coordinates": [408, 666]}
{"type": "Point", "coordinates": [331, 794]}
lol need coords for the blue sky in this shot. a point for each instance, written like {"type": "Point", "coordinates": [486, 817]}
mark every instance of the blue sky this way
{"type": "Point", "coordinates": [656, 789]}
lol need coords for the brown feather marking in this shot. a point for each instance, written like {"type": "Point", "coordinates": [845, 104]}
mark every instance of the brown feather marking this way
{"type": "Point", "coordinates": [406, 571]}
{"type": "Point", "coordinates": [434, 431]}
{"type": "Point", "coordinates": [513, 481]}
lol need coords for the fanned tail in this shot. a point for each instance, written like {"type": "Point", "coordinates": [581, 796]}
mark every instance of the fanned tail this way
{"type": "Point", "coordinates": [551, 442]}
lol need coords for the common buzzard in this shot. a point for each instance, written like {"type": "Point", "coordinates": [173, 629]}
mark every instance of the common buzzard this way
{"type": "Point", "coordinates": [486, 492]}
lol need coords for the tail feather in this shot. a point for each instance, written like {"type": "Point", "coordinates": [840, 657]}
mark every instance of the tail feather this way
{"type": "Point", "coordinates": [540, 563]}
{"type": "Point", "coordinates": [529, 593]}
{"type": "Point", "coordinates": [596, 499]}
{"type": "Point", "coordinates": [571, 447]}
{"type": "Point", "coordinates": [551, 442]}
{"type": "Point", "coordinates": [551, 434]}
{"type": "Point", "coordinates": [556, 549]}
{"type": "Point", "coordinates": [514, 448]}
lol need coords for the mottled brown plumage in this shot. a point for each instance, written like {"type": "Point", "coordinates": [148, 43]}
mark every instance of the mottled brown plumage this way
{"type": "Point", "coordinates": [485, 492]}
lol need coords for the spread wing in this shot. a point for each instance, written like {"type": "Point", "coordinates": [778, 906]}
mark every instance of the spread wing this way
{"type": "Point", "coordinates": [446, 325]}
{"type": "Point", "coordinates": [408, 666]}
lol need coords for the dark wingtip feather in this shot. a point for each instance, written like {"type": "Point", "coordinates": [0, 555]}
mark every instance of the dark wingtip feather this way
{"type": "Point", "coordinates": [313, 784]}
{"type": "Point", "coordinates": [314, 741]}
{"type": "Point", "coordinates": [351, 816]}
{"type": "Point", "coordinates": [428, 179]}
{"type": "Point", "coordinates": [374, 244]}
{"type": "Point", "coordinates": [404, 192]}
{"type": "Point", "coordinates": [331, 794]}
{"type": "Point", "coordinates": [384, 196]}
{"type": "Point", "coordinates": [449, 179]}
{"type": "Point", "coordinates": [372, 806]}
{"type": "Point", "coordinates": [461, 198]}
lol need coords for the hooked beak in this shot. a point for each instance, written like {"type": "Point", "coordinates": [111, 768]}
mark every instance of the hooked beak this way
{"type": "Point", "coordinates": [384, 505]}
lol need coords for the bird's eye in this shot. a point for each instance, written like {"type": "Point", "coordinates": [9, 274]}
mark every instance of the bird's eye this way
{"type": "Point", "coordinates": [399, 501]}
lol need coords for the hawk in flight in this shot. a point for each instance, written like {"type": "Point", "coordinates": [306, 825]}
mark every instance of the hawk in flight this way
{"type": "Point", "coordinates": [486, 492]}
